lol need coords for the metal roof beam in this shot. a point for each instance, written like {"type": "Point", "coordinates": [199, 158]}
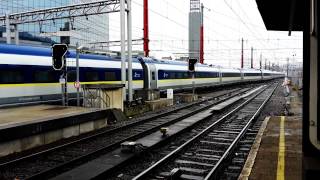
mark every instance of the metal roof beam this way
{"type": "Point", "coordinates": [71, 11]}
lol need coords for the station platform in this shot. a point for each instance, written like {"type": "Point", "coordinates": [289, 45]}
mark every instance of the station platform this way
{"type": "Point", "coordinates": [277, 150]}
{"type": "Point", "coordinates": [23, 128]}
{"type": "Point", "coordinates": [32, 114]}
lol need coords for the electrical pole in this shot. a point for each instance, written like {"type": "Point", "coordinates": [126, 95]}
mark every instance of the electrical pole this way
{"type": "Point", "coordinates": [77, 69]}
{"type": "Point", "coordinates": [201, 37]}
{"type": "Point", "coordinates": [287, 67]}
{"type": "Point", "coordinates": [260, 60]}
{"type": "Point", "coordinates": [242, 53]}
{"type": "Point", "coordinates": [269, 66]}
{"type": "Point", "coordinates": [146, 28]}
{"type": "Point", "coordinates": [123, 43]}
{"type": "Point", "coordinates": [8, 29]}
{"type": "Point", "coordinates": [265, 64]}
{"type": "Point", "coordinates": [251, 57]}
{"type": "Point", "coordinates": [129, 18]}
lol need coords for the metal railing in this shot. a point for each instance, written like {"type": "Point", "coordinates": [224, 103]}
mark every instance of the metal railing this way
{"type": "Point", "coordinates": [95, 98]}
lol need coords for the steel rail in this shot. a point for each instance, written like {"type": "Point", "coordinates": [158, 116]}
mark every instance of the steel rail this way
{"type": "Point", "coordinates": [113, 145]}
{"type": "Point", "coordinates": [174, 153]}
{"type": "Point", "coordinates": [215, 170]}
{"type": "Point", "coordinates": [113, 130]}
{"type": "Point", "coordinates": [85, 157]}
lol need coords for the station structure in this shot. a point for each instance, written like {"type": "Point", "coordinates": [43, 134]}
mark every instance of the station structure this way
{"type": "Point", "coordinates": [196, 122]}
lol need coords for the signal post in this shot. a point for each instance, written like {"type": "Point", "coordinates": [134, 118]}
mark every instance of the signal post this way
{"type": "Point", "coordinates": [59, 63]}
{"type": "Point", "coordinates": [191, 68]}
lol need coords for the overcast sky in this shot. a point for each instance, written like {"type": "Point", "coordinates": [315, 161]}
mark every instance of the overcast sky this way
{"type": "Point", "coordinates": [225, 23]}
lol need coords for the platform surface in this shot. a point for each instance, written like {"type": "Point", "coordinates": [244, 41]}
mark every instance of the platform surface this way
{"type": "Point", "coordinates": [277, 151]}
{"type": "Point", "coordinates": [30, 114]}
{"type": "Point", "coordinates": [267, 159]}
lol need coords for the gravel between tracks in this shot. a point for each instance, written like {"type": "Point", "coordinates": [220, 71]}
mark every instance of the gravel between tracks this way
{"type": "Point", "coordinates": [274, 107]}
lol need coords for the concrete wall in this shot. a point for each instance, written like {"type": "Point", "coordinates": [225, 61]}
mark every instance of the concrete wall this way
{"type": "Point", "coordinates": [26, 143]}
{"type": "Point", "coordinates": [116, 99]}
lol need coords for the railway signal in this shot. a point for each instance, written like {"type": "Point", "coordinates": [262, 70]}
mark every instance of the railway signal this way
{"type": "Point", "coordinates": [58, 56]}
{"type": "Point", "coordinates": [191, 64]}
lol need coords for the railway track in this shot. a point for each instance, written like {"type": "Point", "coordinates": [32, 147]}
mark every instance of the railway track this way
{"type": "Point", "coordinates": [206, 154]}
{"type": "Point", "coordinates": [43, 164]}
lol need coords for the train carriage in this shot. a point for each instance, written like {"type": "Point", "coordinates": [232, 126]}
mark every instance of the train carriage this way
{"type": "Point", "coordinates": [27, 76]}
{"type": "Point", "coordinates": [229, 75]}
{"type": "Point", "coordinates": [251, 74]}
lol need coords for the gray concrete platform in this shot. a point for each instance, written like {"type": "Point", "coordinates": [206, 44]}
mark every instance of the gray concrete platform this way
{"type": "Point", "coordinates": [277, 150]}
{"type": "Point", "coordinates": [274, 158]}
{"type": "Point", "coordinates": [31, 114]}
{"type": "Point", "coordinates": [23, 128]}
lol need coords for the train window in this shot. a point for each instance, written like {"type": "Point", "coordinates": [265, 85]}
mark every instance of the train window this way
{"type": "Point", "coordinates": [43, 76]}
{"type": "Point", "coordinates": [251, 74]}
{"type": "Point", "coordinates": [92, 76]}
{"type": "Point", "coordinates": [72, 76]}
{"type": "Point", "coordinates": [110, 76]}
{"type": "Point", "coordinates": [231, 75]}
{"type": "Point", "coordinates": [172, 75]}
{"type": "Point", "coordinates": [185, 75]}
{"type": "Point", "coordinates": [179, 75]}
{"type": "Point", "coordinates": [11, 76]}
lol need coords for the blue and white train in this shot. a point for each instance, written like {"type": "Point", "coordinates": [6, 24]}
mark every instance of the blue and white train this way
{"type": "Point", "coordinates": [26, 74]}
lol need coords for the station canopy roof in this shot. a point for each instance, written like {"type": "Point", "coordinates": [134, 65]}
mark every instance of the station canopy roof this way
{"type": "Point", "coordinates": [283, 15]}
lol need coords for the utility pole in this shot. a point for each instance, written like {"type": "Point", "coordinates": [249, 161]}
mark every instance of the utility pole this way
{"type": "Point", "coordinates": [123, 43]}
{"type": "Point", "coordinates": [16, 34]}
{"type": "Point", "coordinates": [77, 69]}
{"type": "Point", "coordinates": [260, 60]}
{"type": "Point", "coordinates": [287, 67]}
{"type": "Point", "coordinates": [241, 52]}
{"type": "Point", "coordinates": [146, 28]}
{"type": "Point", "coordinates": [251, 57]}
{"type": "Point", "coordinates": [129, 18]}
{"type": "Point", "coordinates": [77, 83]}
{"type": "Point", "coordinates": [269, 66]}
{"type": "Point", "coordinates": [8, 29]}
{"type": "Point", "coordinates": [265, 64]}
{"type": "Point", "coordinates": [202, 36]}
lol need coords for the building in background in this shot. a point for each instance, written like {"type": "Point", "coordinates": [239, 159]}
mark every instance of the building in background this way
{"type": "Point", "coordinates": [84, 30]}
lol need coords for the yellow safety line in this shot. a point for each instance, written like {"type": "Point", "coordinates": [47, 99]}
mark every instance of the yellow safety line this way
{"type": "Point", "coordinates": [281, 153]}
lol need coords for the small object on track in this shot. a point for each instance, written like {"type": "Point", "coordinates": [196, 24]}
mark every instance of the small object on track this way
{"type": "Point", "coordinates": [164, 131]}
{"type": "Point", "coordinates": [129, 147]}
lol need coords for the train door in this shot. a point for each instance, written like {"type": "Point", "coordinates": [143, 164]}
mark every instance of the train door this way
{"type": "Point", "coordinates": [153, 76]}
{"type": "Point", "coordinates": [150, 74]}
{"type": "Point", "coordinates": [314, 76]}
